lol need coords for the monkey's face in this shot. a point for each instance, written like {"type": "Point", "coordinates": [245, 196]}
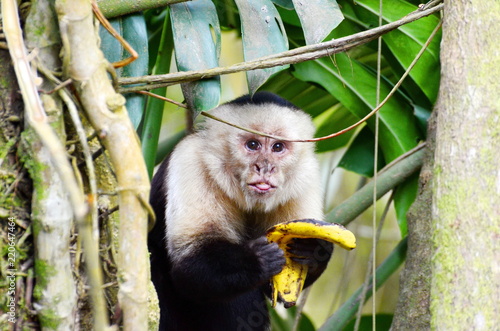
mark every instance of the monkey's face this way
{"type": "Point", "coordinates": [261, 166]}
{"type": "Point", "coordinates": [259, 173]}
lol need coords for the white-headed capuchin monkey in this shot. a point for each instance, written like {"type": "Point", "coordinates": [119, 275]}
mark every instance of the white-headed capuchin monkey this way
{"type": "Point", "coordinates": [215, 197]}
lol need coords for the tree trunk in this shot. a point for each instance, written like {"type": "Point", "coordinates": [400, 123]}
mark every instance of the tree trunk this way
{"type": "Point", "coordinates": [466, 204]}
{"type": "Point", "coordinates": [52, 220]}
{"type": "Point", "coordinates": [17, 270]}
{"type": "Point", "coordinates": [460, 252]}
{"type": "Point", "coordinates": [412, 311]}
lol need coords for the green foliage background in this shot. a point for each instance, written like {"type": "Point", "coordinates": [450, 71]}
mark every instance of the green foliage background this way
{"type": "Point", "coordinates": [337, 91]}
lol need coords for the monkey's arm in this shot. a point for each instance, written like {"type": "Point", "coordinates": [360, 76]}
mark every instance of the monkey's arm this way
{"type": "Point", "coordinates": [218, 270]}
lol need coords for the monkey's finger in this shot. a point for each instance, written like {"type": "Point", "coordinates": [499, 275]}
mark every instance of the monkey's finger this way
{"type": "Point", "coordinates": [310, 248]}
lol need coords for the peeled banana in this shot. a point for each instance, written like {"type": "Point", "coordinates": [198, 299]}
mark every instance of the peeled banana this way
{"type": "Point", "coordinates": [287, 285]}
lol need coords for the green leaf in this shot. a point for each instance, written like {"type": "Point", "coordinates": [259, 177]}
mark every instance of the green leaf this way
{"type": "Point", "coordinates": [333, 120]}
{"type": "Point", "coordinates": [287, 4]}
{"type": "Point", "coordinates": [228, 14]}
{"type": "Point", "coordinates": [409, 86]}
{"type": "Point", "coordinates": [422, 115]}
{"type": "Point", "coordinates": [110, 46]}
{"type": "Point", "coordinates": [151, 128]}
{"type": "Point", "coordinates": [155, 20]}
{"type": "Point", "coordinates": [311, 98]}
{"type": "Point", "coordinates": [406, 41]}
{"type": "Point", "coordinates": [290, 17]}
{"type": "Point", "coordinates": [135, 33]}
{"type": "Point", "coordinates": [195, 49]}
{"type": "Point", "coordinates": [318, 18]}
{"type": "Point", "coordinates": [360, 155]}
{"type": "Point", "coordinates": [133, 29]}
{"type": "Point", "coordinates": [278, 323]}
{"type": "Point", "coordinates": [263, 34]}
{"type": "Point", "coordinates": [354, 86]}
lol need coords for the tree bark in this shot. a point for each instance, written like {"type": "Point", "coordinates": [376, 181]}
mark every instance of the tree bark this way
{"type": "Point", "coordinates": [412, 311]}
{"type": "Point", "coordinates": [55, 290]}
{"type": "Point", "coordinates": [466, 204]}
{"type": "Point", "coordinates": [15, 197]}
{"type": "Point", "coordinates": [451, 280]}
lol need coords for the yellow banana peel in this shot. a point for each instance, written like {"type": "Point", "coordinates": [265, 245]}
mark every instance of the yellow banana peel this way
{"type": "Point", "coordinates": [287, 285]}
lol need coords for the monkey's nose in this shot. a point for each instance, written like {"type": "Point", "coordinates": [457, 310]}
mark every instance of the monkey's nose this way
{"type": "Point", "coordinates": [263, 168]}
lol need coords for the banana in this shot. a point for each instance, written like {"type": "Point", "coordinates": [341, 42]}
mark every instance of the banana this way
{"type": "Point", "coordinates": [287, 285]}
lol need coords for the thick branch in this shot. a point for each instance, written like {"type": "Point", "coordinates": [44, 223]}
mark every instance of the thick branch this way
{"type": "Point", "coordinates": [56, 296]}
{"type": "Point", "coordinates": [115, 8]}
{"type": "Point", "coordinates": [297, 55]}
{"type": "Point", "coordinates": [105, 109]}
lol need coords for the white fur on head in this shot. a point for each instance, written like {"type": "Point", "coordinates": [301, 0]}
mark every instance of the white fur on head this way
{"type": "Point", "coordinates": [228, 163]}
{"type": "Point", "coordinates": [208, 191]}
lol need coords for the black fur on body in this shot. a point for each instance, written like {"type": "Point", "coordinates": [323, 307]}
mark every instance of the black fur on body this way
{"type": "Point", "coordinates": [218, 282]}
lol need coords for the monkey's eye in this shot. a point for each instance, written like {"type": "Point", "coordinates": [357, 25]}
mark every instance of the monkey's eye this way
{"type": "Point", "coordinates": [252, 145]}
{"type": "Point", "coordinates": [278, 147]}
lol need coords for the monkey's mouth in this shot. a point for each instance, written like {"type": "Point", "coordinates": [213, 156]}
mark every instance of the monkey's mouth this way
{"type": "Point", "coordinates": [262, 187]}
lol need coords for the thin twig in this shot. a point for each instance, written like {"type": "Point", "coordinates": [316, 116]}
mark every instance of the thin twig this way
{"type": "Point", "coordinates": [73, 111]}
{"type": "Point", "coordinates": [59, 86]}
{"type": "Point", "coordinates": [300, 308]}
{"type": "Point", "coordinates": [105, 23]}
{"type": "Point", "coordinates": [297, 55]}
{"type": "Point", "coordinates": [375, 175]}
{"type": "Point", "coordinates": [154, 95]}
{"type": "Point", "coordinates": [364, 119]}
{"type": "Point", "coordinates": [80, 131]}
{"type": "Point", "coordinates": [338, 133]}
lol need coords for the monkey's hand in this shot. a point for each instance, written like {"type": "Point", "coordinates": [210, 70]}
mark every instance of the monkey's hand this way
{"type": "Point", "coordinates": [287, 285]}
{"type": "Point", "coordinates": [313, 253]}
{"type": "Point", "coordinates": [218, 269]}
{"type": "Point", "coordinates": [270, 257]}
